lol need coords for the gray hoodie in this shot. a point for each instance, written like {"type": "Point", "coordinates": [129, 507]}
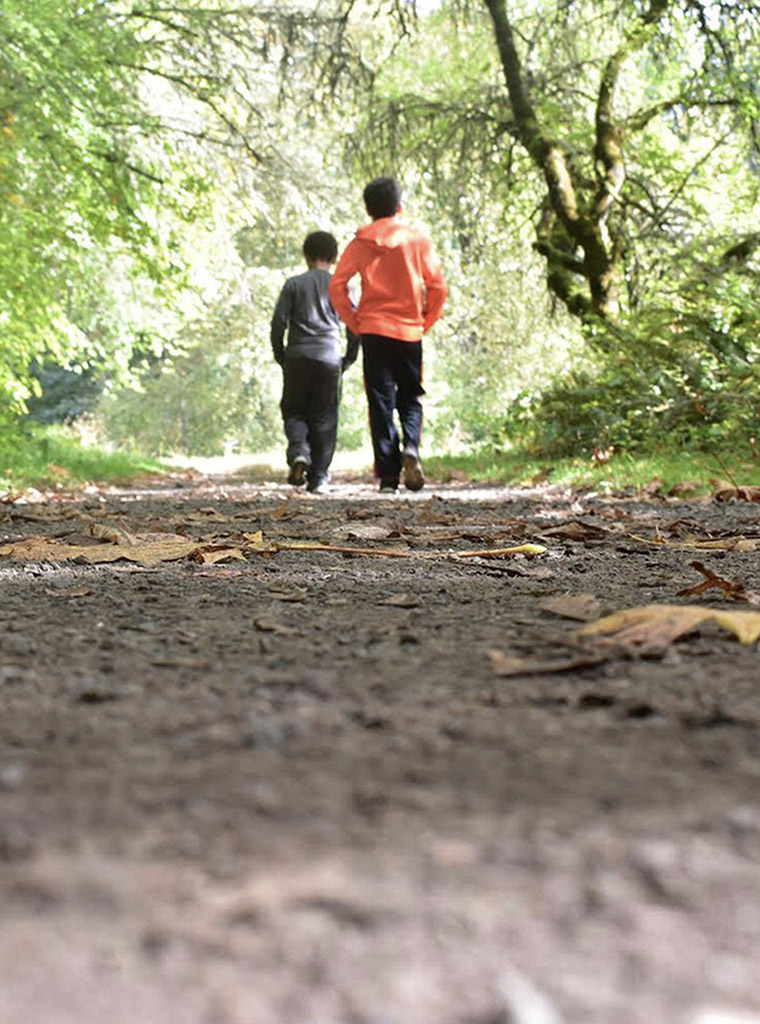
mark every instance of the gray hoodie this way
{"type": "Point", "coordinates": [314, 328]}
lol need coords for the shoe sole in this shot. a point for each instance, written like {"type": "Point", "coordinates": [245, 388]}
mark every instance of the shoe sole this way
{"type": "Point", "coordinates": [297, 475]}
{"type": "Point", "coordinates": [414, 479]}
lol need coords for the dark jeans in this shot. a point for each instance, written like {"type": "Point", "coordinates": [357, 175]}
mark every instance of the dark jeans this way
{"type": "Point", "coordinates": [393, 382]}
{"type": "Point", "coordinates": [309, 406]}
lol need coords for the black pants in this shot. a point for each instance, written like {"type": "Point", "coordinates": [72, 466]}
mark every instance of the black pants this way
{"type": "Point", "coordinates": [393, 382]}
{"type": "Point", "coordinates": [309, 406]}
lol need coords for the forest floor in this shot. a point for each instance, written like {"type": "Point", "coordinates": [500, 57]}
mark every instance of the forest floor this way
{"type": "Point", "coordinates": [273, 758]}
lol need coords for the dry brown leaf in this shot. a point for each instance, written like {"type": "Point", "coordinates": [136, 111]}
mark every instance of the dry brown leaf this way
{"type": "Point", "coordinates": [284, 511]}
{"type": "Point", "coordinates": [364, 531]}
{"type": "Point", "coordinates": [254, 542]}
{"type": "Point", "coordinates": [723, 544]}
{"type": "Point", "coordinates": [685, 487]}
{"type": "Point", "coordinates": [582, 607]}
{"type": "Point", "coordinates": [729, 544]}
{"type": "Point", "coordinates": [512, 665]}
{"type": "Point", "coordinates": [213, 555]}
{"type": "Point", "coordinates": [723, 492]}
{"type": "Point", "coordinates": [112, 534]}
{"type": "Point", "coordinates": [574, 530]}
{"type": "Point", "coordinates": [437, 517]}
{"type": "Point", "coordinates": [148, 549]}
{"type": "Point", "coordinates": [654, 626]}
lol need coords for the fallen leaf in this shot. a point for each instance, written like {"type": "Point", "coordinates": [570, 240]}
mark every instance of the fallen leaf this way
{"type": "Point", "coordinates": [255, 542]}
{"type": "Point", "coordinates": [512, 665]}
{"type": "Point", "coordinates": [112, 534]}
{"type": "Point", "coordinates": [365, 531]}
{"type": "Point", "coordinates": [583, 607]}
{"type": "Point", "coordinates": [575, 530]}
{"type": "Point", "coordinates": [208, 514]}
{"type": "Point", "coordinates": [688, 530]}
{"type": "Point", "coordinates": [434, 515]}
{"type": "Point", "coordinates": [723, 492]}
{"type": "Point", "coordinates": [214, 555]}
{"type": "Point", "coordinates": [685, 487]}
{"type": "Point", "coordinates": [652, 627]}
{"type": "Point", "coordinates": [148, 549]}
{"type": "Point", "coordinates": [729, 544]}
{"type": "Point", "coordinates": [723, 544]}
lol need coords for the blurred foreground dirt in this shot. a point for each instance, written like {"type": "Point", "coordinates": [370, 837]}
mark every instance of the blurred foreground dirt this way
{"type": "Point", "coordinates": [289, 786]}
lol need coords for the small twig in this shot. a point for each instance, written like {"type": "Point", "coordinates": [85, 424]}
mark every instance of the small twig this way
{"type": "Point", "coordinates": [725, 469]}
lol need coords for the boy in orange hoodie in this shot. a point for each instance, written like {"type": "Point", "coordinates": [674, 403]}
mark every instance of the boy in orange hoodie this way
{"type": "Point", "coordinates": [402, 295]}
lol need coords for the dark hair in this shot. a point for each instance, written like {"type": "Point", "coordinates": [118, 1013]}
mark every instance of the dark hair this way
{"type": "Point", "coordinates": [382, 197]}
{"type": "Point", "coordinates": [320, 245]}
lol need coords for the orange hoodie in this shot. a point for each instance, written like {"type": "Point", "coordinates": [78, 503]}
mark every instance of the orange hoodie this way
{"type": "Point", "coordinates": [403, 290]}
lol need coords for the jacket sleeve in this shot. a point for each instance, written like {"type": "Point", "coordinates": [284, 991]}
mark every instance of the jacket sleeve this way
{"type": "Point", "coordinates": [280, 320]}
{"type": "Point", "coordinates": [339, 294]}
{"type": "Point", "coordinates": [435, 286]}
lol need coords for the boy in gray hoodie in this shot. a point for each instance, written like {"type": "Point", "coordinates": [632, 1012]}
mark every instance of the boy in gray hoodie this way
{"type": "Point", "coordinates": [312, 363]}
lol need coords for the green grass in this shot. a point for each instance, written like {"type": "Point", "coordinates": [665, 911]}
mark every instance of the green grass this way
{"type": "Point", "coordinates": [690, 472]}
{"type": "Point", "coordinates": [55, 458]}
{"type": "Point", "coordinates": [52, 457]}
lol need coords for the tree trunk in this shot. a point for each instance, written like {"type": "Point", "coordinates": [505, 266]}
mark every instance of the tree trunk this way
{"type": "Point", "coordinates": [576, 233]}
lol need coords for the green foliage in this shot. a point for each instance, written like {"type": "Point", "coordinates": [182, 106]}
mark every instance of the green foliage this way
{"type": "Point", "coordinates": [70, 182]}
{"type": "Point", "coordinates": [119, 126]}
{"type": "Point", "coordinates": [684, 369]}
{"type": "Point", "coordinates": [215, 392]}
{"type": "Point", "coordinates": [656, 471]}
{"type": "Point", "coordinates": [31, 456]}
{"type": "Point", "coordinates": [159, 170]}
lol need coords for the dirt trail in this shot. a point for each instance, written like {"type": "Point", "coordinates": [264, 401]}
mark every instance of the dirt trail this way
{"type": "Point", "coordinates": [288, 787]}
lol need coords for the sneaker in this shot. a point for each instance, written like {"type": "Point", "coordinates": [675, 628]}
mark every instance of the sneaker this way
{"type": "Point", "coordinates": [414, 479]}
{"type": "Point", "coordinates": [319, 486]}
{"type": "Point", "coordinates": [297, 474]}
{"type": "Point", "coordinates": [388, 484]}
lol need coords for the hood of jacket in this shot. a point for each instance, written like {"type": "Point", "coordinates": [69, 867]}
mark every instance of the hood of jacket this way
{"type": "Point", "coordinates": [385, 233]}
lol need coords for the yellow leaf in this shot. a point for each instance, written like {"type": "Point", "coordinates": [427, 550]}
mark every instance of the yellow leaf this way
{"type": "Point", "coordinates": [744, 625]}
{"type": "Point", "coordinates": [219, 555]}
{"type": "Point", "coordinates": [655, 626]}
{"type": "Point", "coordinates": [255, 542]}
